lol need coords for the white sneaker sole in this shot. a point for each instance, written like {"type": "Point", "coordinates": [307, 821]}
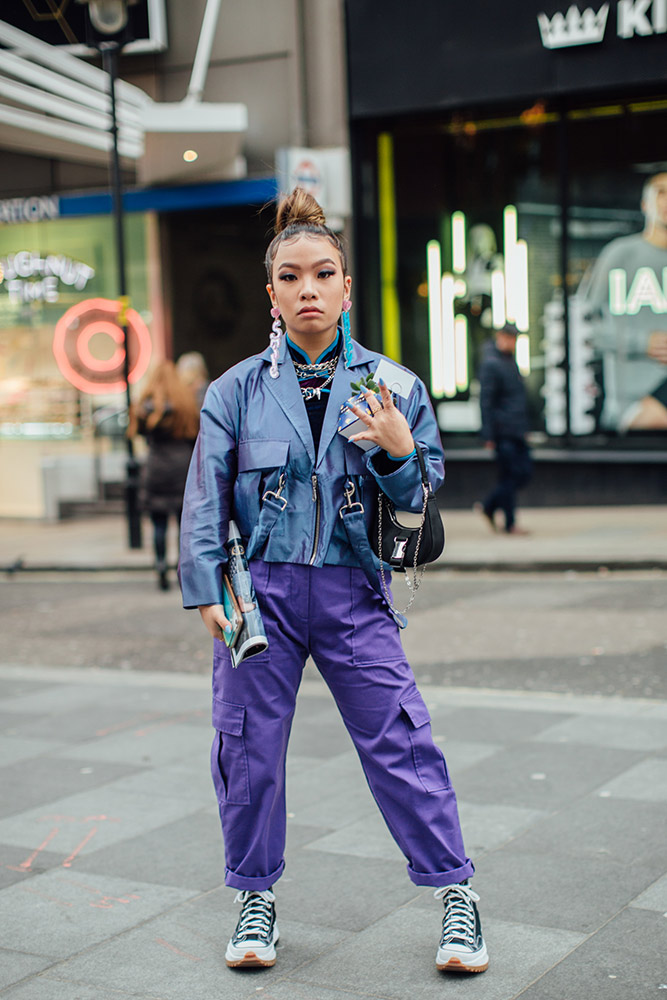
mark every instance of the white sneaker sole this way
{"type": "Point", "coordinates": [460, 961]}
{"type": "Point", "coordinates": [249, 956]}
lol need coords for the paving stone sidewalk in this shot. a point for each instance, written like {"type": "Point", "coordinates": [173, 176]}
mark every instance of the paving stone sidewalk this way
{"type": "Point", "coordinates": [111, 876]}
{"type": "Point", "coordinates": [584, 538]}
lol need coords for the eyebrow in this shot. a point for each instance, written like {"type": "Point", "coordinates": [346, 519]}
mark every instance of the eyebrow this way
{"type": "Point", "coordinates": [318, 263]}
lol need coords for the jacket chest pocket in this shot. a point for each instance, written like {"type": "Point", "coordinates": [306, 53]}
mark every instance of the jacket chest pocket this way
{"type": "Point", "coordinates": [262, 453]}
{"type": "Point", "coordinates": [260, 464]}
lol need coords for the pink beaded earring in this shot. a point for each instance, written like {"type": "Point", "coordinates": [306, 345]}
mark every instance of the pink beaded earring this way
{"type": "Point", "coordinates": [275, 338]}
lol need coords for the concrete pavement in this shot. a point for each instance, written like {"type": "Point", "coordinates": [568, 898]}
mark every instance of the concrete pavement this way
{"type": "Point", "coordinates": [584, 538]}
{"type": "Point", "coordinates": [112, 867]}
{"type": "Point", "coordinates": [112, 862]}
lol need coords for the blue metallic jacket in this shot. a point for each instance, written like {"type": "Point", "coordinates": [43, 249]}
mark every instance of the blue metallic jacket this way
{"type": "Point", "coordinates": [254, 431]}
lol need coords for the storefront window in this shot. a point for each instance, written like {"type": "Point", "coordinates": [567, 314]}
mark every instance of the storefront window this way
{"type": "Point", "coordinates": [476, 239]}
{"type": "Point", "coordinates": [617, 243]}
{"type": "Point", "coordinates": [54, 377]}
{"type": "Point", "coordinates": [476, 200]}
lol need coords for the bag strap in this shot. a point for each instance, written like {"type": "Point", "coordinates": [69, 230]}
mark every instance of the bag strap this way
{"type": "Point", "coordinates": [422, 467]}
{"type": "Point", "coordinates": [352, 516]}
{"type": "Point", "coordinates": [273, 505]}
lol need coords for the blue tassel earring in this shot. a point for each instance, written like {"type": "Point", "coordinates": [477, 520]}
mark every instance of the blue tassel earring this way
{"type": "Point", "coordinates": [347, 333]}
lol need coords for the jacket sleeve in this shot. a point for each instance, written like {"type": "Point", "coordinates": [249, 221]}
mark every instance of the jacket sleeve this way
{"type": "Point", "coordinates": [207, 504]}
{"type": "Point", "coordinates": [488, 381]}
{"type": "Point", "coordinates": [403, 485]}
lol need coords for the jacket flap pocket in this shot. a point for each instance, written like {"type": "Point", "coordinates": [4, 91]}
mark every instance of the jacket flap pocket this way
{"type": "Point", "coordinates": [228, 718]}
{"type": "Point", "coordinates": [262, 453]}
{"type": "Point", "coordinates": [416, 710]}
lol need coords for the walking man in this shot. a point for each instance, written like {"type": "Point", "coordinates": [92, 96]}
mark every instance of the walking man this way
{"type": "Point", "coordinates": [504, 427]}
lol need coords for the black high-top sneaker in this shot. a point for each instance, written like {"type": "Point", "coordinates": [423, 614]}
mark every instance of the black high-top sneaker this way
{"type": "Point", "coordinates": [253, 941]}
{"type": "Point", "coordinates": [462, 947]}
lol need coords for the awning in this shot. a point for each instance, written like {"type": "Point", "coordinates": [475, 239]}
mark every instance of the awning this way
{"type": "Point", "coordinates": [180, 198]}
{"type": "Point", "coordinates": [54, 104]}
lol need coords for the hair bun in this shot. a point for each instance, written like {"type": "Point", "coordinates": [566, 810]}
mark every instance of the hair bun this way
{"type": "Point", "coordinates": [299, 208]}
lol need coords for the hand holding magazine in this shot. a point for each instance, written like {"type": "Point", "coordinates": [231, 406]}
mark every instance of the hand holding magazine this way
{"type": "Point", "coordinates": [247, 637]}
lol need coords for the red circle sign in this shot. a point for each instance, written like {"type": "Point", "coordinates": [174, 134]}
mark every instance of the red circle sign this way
{"type": "Point", "coordinates": [99, 318]}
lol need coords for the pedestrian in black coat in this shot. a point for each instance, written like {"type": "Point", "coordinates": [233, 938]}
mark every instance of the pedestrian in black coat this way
{"type": "Point", "coordinates": [167, 415]}
{"type": "Point", "coordinates": [504, 426]}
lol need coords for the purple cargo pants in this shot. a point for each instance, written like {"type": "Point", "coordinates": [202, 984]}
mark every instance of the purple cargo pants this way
{"type": "Point", "coordinates": [333, 614]}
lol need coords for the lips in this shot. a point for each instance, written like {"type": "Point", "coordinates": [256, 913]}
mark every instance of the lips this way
{"type": "Point", "coordinates": [310, 311]}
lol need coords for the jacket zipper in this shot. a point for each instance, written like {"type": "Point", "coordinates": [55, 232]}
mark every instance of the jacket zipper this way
{"type": "Point", "coordinates": [316, 500]}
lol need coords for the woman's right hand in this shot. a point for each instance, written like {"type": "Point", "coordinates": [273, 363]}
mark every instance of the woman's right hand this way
{"type": "Point", "coordinates": [213, 616]}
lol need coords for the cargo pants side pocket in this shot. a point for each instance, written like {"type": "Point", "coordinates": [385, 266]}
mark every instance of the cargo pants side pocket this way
{"type": "Point", "coordinates": [229, 758]}
{"type": "Point", "coordinates": [428, 758]}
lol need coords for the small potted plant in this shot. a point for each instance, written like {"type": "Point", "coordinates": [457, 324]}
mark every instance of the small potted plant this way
{"type": "Point", "coordinates": [348, 423]}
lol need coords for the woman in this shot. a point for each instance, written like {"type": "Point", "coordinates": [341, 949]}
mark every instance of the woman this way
{"type": "Point", "coordinates": [167, 414]}
{"type": "Point", "coordinates": [269, 427]}
{"type": "Point", "coordinates": [193, 371]}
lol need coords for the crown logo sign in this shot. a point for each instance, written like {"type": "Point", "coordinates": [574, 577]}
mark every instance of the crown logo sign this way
{"type": "Point", "coordinates": [573, 28]}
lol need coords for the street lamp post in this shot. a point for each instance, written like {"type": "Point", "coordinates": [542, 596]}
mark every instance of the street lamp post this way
{"type": "Point", "coordinates": [110, 53]}
{"type": "Point", "coordinates": [107, 23]}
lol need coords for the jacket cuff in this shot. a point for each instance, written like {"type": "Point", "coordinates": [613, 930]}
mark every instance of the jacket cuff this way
{"type": "Point", "coordinates": [384, 463]}
{"type": "Point", "coordinates": [206, 590]}
{"type": "Point", "coordinates": [403, 484]}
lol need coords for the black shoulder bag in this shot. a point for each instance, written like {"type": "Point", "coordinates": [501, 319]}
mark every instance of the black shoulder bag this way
{"type": "Point", "coordinates": [404, 539]}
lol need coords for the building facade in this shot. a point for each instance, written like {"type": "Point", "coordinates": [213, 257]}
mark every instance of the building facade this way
{"type": "Point", "coordinates": [198, 212]}
{"type": "Point", "coordinates": [509, 165]}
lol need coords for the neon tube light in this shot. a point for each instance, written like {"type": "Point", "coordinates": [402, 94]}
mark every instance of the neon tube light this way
{"type": "Point", "coordinates": [448, 335]}
{"type": "Point", "coordinates": [391, 317]}
{"type": "Point", "coordinates": [433, 270]}
{"type": "Point", "coordinates": [498, 299]}
{"type": "Point", "coordinates": [461, 343]}
{"type": "Point", "coordinates": [458, 242]}
{"type": "Point", "coordinates": [522, 353]}
{"type": "Point", "coordinates": [521, 283]}
{"type": "Point", "coordinates": [509, 249]}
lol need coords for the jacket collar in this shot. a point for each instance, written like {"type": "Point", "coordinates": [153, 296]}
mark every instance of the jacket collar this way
{"type": "Point", "coordinates": [286, 390]}
{"type": "Point", "coordinates": [360, 355]}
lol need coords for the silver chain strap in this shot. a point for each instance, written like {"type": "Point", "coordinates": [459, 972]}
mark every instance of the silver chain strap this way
{"type": "Point", "coordinates": [417, 572]}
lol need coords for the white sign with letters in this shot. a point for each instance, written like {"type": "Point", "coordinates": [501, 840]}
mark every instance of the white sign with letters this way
{"type": "Point", "coordinates": [29, 277]}
{"type": "Point", "coordinates": [633, 17]}
{"type": "Point", "coordinates": [36, 209]}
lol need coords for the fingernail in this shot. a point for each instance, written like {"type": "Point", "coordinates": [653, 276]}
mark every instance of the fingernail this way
{"type": "Point", "coordinates": [382, 382]}
{"type": "Point", "coordinates": [228, 629]}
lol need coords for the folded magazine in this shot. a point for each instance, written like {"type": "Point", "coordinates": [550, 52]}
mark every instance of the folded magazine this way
{"type": "Point", "coordinates": [250, 634]}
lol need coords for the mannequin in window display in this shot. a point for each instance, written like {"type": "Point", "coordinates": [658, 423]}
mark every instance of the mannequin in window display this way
{"type": "Point", "coordinates": [483, 260]}
{"type": "Point", "coordinates": [626, 292]}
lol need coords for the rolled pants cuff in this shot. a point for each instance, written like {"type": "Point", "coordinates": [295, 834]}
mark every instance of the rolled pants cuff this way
{"type": "Point", "coordinates": [255, 884]}
{"type": "Point", "coordinates": [438, 879]}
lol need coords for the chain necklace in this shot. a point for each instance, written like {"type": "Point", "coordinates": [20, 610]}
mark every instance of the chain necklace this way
{"type": "Point", "coordinates": [323, 368]}
{"type": "Point", "coordinates": [316, 371]}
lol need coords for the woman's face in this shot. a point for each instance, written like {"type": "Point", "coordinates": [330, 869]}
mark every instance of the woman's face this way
{"type": "Point", "coordinates": [309, 286]}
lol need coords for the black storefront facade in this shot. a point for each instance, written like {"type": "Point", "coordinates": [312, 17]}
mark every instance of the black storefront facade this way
{"type": "Point", "coordinates": [508, 162]}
